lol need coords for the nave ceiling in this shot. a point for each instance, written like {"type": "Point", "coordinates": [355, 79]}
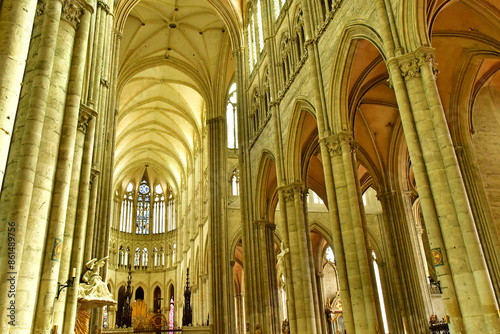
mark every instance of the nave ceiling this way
{"type": "Point", "coordinates": [175, 67]}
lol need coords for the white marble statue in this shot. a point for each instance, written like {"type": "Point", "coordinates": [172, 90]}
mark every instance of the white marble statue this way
{"type": "Point", "coordinates": [93, 288]}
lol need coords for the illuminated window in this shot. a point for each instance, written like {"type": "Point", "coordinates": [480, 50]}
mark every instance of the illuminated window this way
{"type": "Point", "coordinates": [126, 210]}
{"type": "Point", "coordinates": [330, 257]}
{"type": "Point", "coordinates": [171, 211]}
{"type": "Point", "coordinates": [137, 258]}
{"type": "Point", "coordinates": [259, 26]}
{"type": "Point", "coordinates": [159, 211]}
{"type": "Point", "coordinates": [278, 4]}
{"type": "Point", "coordinates": [235, 183]}
{"type": "Point", "coordinates": [145, 258]}
{"type": "Point", "coordinates": [143, 208]}
{"type": "Point", "coordinates": [380, 292]}
{"type": "Point", "coordinates": [231, 118]}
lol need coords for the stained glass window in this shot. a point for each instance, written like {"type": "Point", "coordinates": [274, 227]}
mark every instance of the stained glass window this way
{"type": "Point", "coordinates": [105, 312]}
{"type": "Point", "coordinates": [143, 209]}
{"type": "Point", "coordinates": [171, 314]}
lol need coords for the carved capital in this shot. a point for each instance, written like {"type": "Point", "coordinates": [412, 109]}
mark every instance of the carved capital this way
{"type": "Point", "coordinates": [40, 8]}
{"type": "Point", "coordinates": [94, 172]}
{"type": "Point", "coordinates": [410, 68]}
{"type": "Point", "coordinates": [335, 142]}
{"type": "Point", "coordinates": [411, 63]}
{"type": "Point", "coordinates": [105, 82]}
{"type": "Point", "coordinates": [104, 6]}
{"type": "Point", "coordinates": [84, 117]}
{"type": "Point", "coordinates": [264, 223]}
{"type": "Point", "coordinates": [71, 12]}
{"type": "Point", "coordinates": [384, 196]}
{"type": "Point", "coordinates": [291, 189]}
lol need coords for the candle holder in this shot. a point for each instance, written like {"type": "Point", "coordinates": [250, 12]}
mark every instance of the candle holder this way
{"type": "Point", "coordinates": [68, 284]}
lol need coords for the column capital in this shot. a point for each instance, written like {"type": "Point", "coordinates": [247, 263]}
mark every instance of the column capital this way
{"type": "Point", "coordinates": [290, 189]}
{"type": "Point", "coordinates": [40, 8]}
{"type": "Point", "coordinates": [86, 113]}
{"type": "Point", "coordinates": [385, 195]}
{"type": "Point", "coordinates": [71, 12]}
{"type": "Point", "coordinates": [104, 6]}
{"type": "Point", "coordinates": [334, 142]}
{"type": "Point", "coordinates": [215, 119]}
{"type": "Point", "coordinates": [264, 223]}
{"type": "Point", "coordinates": [411, 62]}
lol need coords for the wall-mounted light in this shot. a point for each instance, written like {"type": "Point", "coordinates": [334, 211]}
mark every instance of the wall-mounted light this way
{"type": "Point", "coordinates": [67, 284]}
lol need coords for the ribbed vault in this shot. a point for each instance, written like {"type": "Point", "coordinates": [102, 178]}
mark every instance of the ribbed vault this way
{"type": "Point", "coordinates": [174, 57]}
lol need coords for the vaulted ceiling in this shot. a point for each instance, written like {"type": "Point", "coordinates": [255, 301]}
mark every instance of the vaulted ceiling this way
{"type": "Point", "coordinates": [175, 65]}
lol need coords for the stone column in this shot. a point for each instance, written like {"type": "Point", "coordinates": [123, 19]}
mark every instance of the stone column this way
{"type": "Point", "coordinates": [324, 131]}
{"type": "Point", "coordinates": [461, 242]}
{"type": "Point", "coordinates": [351, 216]}
{"type": "Point", "coordinates": [20, 120]}
{"type": "Point", "coordinates": [71, 14]}
{"type": "Point", "coordinates": [241, 314]}
{"type": "Point", "coordinates": [16, 24]}
{"type": "Point", "coordinates": [407, 301]}
{"type": "Point", "coordinates": [298, 233]}
{"type": "Point", "coordinates": [24, 179]}
{"type": "Point", "coordinates": [81, 224]}
{"type": "Point", "coordinates": [269, 302]}
{"type": "Point", "coordinates": [220, 276]}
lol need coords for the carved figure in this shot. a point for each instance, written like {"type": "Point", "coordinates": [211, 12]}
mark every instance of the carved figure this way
{"type": "Point", "coordinates": [93, 287]}
{"type": "Point", "coordinates": [281, 265]}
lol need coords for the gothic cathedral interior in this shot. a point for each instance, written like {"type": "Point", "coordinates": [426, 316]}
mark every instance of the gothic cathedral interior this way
{"type": "Point", "coordinates": [249, 166]}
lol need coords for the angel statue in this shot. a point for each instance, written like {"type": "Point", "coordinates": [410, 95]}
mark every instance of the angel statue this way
{"type": "Point", "coordinates": [93, 287]}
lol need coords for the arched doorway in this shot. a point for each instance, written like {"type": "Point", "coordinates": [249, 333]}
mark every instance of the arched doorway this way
{"type": "Point", "coordinates": [139, 294]}
{"type": "Point", "coordinates": [121, 303]}
{"type": "Point", "coordinates": [157, 300]}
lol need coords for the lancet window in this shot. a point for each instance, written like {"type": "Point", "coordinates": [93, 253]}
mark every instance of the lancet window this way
{"type": "Point", "coordinates": [144, 261]}
{"type": "Point", "coordinates": [137, 258]}
{"type": "Point", "coordinates": [299, 36]}
{"type": "Point", "coordinates": [127, 209]}
{"type": "Point", "coordinates": [286, 59]}
{"type": "Point", "coordinates": [143, 209]}
{"type": "Point", "coordinates": [235, 183]}
{"type": "Point", "coordinates": [278, 4]}
{"type": "Point", "coordinates": [159, 211]}
{"type": "Point", "coordinates": [171, 211]}
{"type": "Point", "coordinates": [231, 118]}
